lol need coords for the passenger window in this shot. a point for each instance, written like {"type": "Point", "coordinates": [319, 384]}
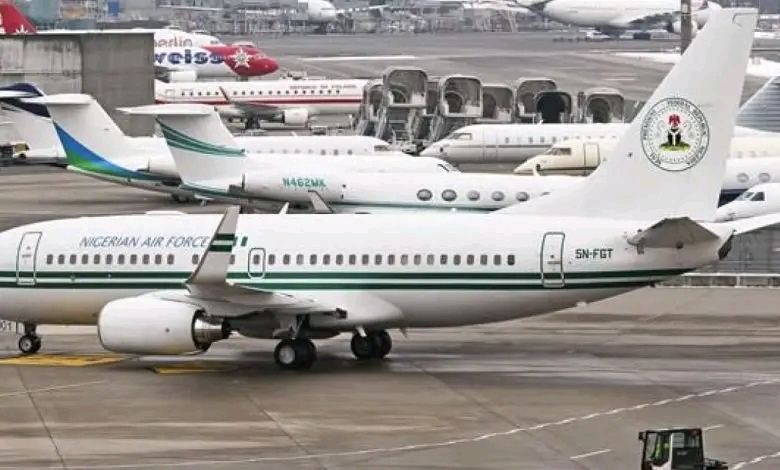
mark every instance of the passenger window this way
{"type": "Point", "coordinates": [483, 259]}
{"type": "Point", "coordinates": [232, 259]}
{"type": "Point", "coordinates": [49, 259]}
{"type": "Point", "coordinates": [497, 260]}
{"type": "Point", "coordinates": [339, 259]}
{"type": "Point", "coordinates": [365, 260]}
{"type": "Point", "coordinates": [299, 259]}
{"type": "Point", "coordinates": [84, 259]}
{"type": "Point", "coordinates": [443, 260]}
{"type": "Point", "coordinates": [61, 259]}
{"type": "Point", "coordinates": [456, 260]}
{"type": "Point", "coordinates": [121, 259]}
{"type": "Point", "coordinates": [109, 259]}
{"type": "Point", "coordinates": [431, 260]}
{"type": "Point", "coordinates": [404, 259]}
{"type": "Point", "coordinates": [312, 260]}
{"type": "Point", "coordinates": [271, 259]}
{"type": "Point", "coordinates": [256, 259]}
{"type": "Point", "coordinates": [391, 259]}
{"type": "Point", "coordinates": [158, 259]}
{"type": "Point", "coordinates": [171, 259]}
{"type": "Point", "coordinates": [96, 259]}
{"type": "Point", "coordinates": [352, 259]}
{"type": "Point", "coordinates": [146, 259]}
{"type": "Point", "coordinates": [133, 259]}
{"type": "Point", "coordinates": [378, 260]}
{"type": "Point", "coordinates": [325, 259]}
{"type": "Point", "coordinates": [510, 260]}
{"type": "Point", "coordinates": [286, 259]}
{"type": "Point", "coordinates": [417, 259]}
{"type": "Point", "coordinates": [469, 259]}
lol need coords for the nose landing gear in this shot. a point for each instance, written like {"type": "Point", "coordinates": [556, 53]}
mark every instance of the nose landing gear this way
{"type": "Point", "coordinates": [30, 342]}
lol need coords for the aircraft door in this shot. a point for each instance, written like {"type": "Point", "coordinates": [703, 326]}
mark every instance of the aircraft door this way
{"type": "Point", "coordinates": [591, 155]}
{"type": "Point", "coordinates": [25, 259]}
{"type": "Point", "coordinates": [490, 145]}
{"type": "Point", "coordinates": [256, 263]}
{"type": "Point", "coordinates": [552, 260]}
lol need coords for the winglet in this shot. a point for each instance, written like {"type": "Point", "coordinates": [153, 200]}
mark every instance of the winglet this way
{"type": "Point", "coordinates": [214, 264]}
{"type": "Point", "coordinates": [319, 204]}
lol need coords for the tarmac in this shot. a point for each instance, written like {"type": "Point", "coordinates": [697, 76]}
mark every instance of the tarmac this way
{"type": "Point", "coordinates": [566, 391]}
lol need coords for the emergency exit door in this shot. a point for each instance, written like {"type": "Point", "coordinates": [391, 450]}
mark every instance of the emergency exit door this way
{"type": "Point", "coordinates": [256, 263]}
{"type": "Point", "coordinates": [25, 259]}
{"type": "Point", "coordinates": [552, 260]}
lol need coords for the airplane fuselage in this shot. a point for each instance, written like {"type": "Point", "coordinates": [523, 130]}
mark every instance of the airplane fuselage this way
{"type": "Point", "coordinates": [612, 14]}
{"type": "Point", "coordinates": [439, 270]}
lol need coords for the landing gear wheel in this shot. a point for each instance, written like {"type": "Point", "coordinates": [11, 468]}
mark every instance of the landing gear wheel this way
{"type": "Point", "coordinates": [363, 348]}
{"type": "Point", "coordinates": [383, 343]}
{"type": "Point", "coordinates": [295, 354]}
{"type": "Point", "coordinates": [29, 344]}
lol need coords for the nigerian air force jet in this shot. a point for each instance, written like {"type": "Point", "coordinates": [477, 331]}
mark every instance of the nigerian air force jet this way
{"type": "Point", "coordinates": [160, 284]}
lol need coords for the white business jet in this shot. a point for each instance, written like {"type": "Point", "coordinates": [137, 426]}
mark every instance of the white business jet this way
{"type": "Point", "coordinates": [761, 199]}
{"type": "Point", "coordinates": [192, 131]}
{"type": "Point", "coordinates": [174, 284]}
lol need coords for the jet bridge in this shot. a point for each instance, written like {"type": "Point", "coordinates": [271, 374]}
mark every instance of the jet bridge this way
{"type": "Point", "coordinates": [459, 104]}
{"type": "Point", "coordinates": [404, 94]}
{"type": "Point", "coordinates": [368, 115]}
{"type": "Point", "coordinates": [526, 89]}
{"type": "Point", "coordinates": [498, 104]}
{"type": "Point", "coordinates": [553, 107]}
{"type": "Point", "coordinates": [601, 105]}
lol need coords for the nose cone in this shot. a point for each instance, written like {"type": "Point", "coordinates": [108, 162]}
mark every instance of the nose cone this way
{"type": "Point", "coordinates": [267, 65]}
{"type": "Point", "coordinates": [435, 150]}
{"type": "Point", "coordinates": [328, 14]}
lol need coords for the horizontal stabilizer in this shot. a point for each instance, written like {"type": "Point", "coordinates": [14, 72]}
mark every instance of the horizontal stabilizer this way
{"type": "Point", "coordinates": [319, 204]}
{"type": "Point", "coordinates": [6, 94]}
{"type": "Point", "coordinates": [213, 266]}
{"type": "Point", "coordinates": [673, 233]}
{"type": "Point", "coordinates": [750, 224]}
{"type": "Point", "coordinates": [67, 99]}
{"type": "Point", "coordinates": [182, 109]}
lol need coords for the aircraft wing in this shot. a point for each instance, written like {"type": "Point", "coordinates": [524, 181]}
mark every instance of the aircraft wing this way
{"type": "Point", "coordinates": [635, 20]}
{"type": "Point", "coordinates": [250, 108]}
{"type": "Point", "coordinates": [209, 288]}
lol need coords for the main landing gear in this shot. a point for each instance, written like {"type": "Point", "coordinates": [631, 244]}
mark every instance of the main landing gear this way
{"type": "Point", "coordinates": [300, 353]}
{"type": "Point", "coordinates": [30, 342]}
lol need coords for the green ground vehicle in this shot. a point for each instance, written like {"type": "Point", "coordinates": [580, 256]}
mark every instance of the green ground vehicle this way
{"type": "Point", "coordinates": [676, 449]}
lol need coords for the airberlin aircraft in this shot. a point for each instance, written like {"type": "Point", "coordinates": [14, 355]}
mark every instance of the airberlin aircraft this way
{"type": "Point", "coordinates": [187, 64]}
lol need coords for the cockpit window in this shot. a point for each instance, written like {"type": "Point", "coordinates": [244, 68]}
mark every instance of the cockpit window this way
{"type": "Point", "coordinates": [382, 148]}
{"type": "Point", "coordinates": [558, 151]}
{"type": "Point", "coordinates": [447, 167]}
{"type": "Point", "coordinates": [759, 196]}
{"type": "Point", "coordinates": [745, 196]}
{"type": "Point", "coordinates": [461, 136]}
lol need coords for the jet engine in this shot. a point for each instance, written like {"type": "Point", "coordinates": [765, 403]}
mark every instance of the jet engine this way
{"type": "Point", "coordinates": [676, 27]}
{"type": "Point", "coordinates": [404, 86]}
{"type": "Point", "coordinates": [460, 96]}
{"type": "Point", "coordinates": [498, 101]}
{"type": "Point", "coordinates": [290, 186]}
{"type": "Point", "coordinates": [162, 165]}
{"type": "Point", "coordinates": [527, 89]}
{"type": "Point", "coordinates": [554, 107]}
{"type": "Point", "coordinates": [293, 117]}
{"type": "Point", "coordinates": [182, 76]}
{"type": "Point", "coordinates": [147, 325]}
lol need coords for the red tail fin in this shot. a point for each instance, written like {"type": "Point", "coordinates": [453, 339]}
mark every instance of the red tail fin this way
{"type": "Point", "coordinates": [12, 21]}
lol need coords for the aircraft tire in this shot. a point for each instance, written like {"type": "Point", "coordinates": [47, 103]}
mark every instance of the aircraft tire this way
{"type": "Point", "coordinates": [363, 348]}
{"type": "Point", "coordinates": [384, 343]}
{"type": "Point", "coordinates": [295, 354]}
{"type": "Point", "coordinates": [29, 344]}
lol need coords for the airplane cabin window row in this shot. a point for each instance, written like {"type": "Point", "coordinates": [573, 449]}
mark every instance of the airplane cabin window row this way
{"type": "Point", "coordinates": [380, 260]}
{"type": "Point", "coordinates": [450, 195]}
{"type": "Point", "coordinates": [260, 93]}
{"type": "Point", "coordinates": [110, 259]}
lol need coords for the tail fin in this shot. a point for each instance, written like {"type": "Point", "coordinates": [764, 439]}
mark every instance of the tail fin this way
{"type": "Point", "coordinates": [762, 110]}
{"type": "Point", "coordinates": [31, 120]}
{"type": "Point", "coordinates": [670, 161]}
{"type": "Point", "coordinates": [13, 21]}
{"type": "Point", "coordinates": [91, 139]}
{"type": "Point", "coordinates": [202, 147]}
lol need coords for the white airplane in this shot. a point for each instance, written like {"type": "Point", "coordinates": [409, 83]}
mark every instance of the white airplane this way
{"type": "Point", "coordinates": [174, 284]}
{"type": "Point", "coordinates": [13, 22]}
{"type": "Point", "coordinates": [761, 199]}
{"type": "Point", "coordinates": [751, 161]}
{"type": "Point", "coordinates": [96, 147]}
{"type": "Point", "coordinates": [615, 17]}
{"type": "Point", "coordinates": [288, 101]}
{"type": "Point", "coordinates": [328, 188]}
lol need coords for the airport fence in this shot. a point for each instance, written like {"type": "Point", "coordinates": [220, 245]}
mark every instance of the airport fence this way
{"type": "Point", "coordinates": [757, 252]}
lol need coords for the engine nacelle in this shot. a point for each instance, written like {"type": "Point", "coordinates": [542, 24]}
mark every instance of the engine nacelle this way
{"type": "Point", "coordinates": [182, 76]}
{"type": "Point", "coordinates": [676, 27]}
{"type": "Point", "coordinates": [293, 186]}
{"type": "Point", "coordinates": [162, 165]}
{"type": "Point", "coordinates": [293, 117]}
{"type": "Point", "coordinates": [146, 325]}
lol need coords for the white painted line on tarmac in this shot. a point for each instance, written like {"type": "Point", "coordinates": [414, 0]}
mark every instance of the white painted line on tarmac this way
{"type": "Point", "coordinates": [358, 58]}
{"type": "Point", "coordinates": [590, 454]}
{"type": "Point", "coordinates": [441, 444]}
{"type": "Point", "coordinates": [713, 427]}
{"type": "Point", "coordinates": [755, 460]}
{"type": "Point", "coordinates": [51, 389]}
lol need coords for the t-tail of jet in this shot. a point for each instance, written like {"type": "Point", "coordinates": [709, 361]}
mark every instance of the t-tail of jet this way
{"type": "Point", "coordinates": [206, 154]}
{"type": "Point", "coordinates": [13, 21]}
{"type": "Point", "coordinates": [32, 121]}
{"type": "Point", "coordinates": [92, 141]}
{"type": "Point", "coordinates": [670, 161]}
